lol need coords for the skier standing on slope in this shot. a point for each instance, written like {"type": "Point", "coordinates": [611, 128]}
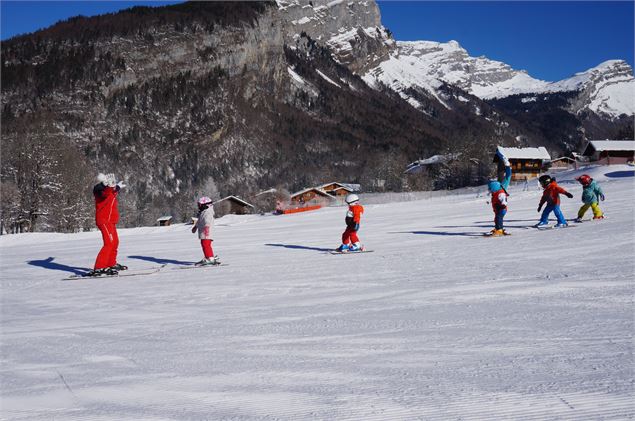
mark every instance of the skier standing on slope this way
{"type": "Point", "coordinates": [591, 195]}
{"type": "Point", "coordinates": [350, 241]}
{"type": "Point", "coordinates": [551, 196]}
{"type": "Point", "coordinates": [499, 196]}
{"type": "Point", "coordinates": [106, 217]}
{"type": "Point", "coordinates": [204, 225]}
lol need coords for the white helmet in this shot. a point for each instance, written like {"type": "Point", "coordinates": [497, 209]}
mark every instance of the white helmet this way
{"type": "Point", "coordinates": [351, 198]}
{"type": "Point", "coordinates": [204, 200]}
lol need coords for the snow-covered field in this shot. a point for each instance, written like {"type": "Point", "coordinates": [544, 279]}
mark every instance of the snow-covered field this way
{"type": "Point", "coordinates": [437, 323]}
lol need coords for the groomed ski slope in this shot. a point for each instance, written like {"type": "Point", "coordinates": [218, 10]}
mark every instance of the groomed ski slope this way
{"type": "Point", "coordinates": [437, 323]}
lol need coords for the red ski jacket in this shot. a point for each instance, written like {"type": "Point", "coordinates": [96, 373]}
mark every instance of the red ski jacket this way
{"type": "Point", "coordinates": [552, 193]}
{"type": "Point", "coordinates": [499, 200]}
{"type": "Point", "coordinates": [106, 211]}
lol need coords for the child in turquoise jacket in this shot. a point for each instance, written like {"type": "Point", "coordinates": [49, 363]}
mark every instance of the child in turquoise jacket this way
{"type": "Point", "coordinates": [591, 195]}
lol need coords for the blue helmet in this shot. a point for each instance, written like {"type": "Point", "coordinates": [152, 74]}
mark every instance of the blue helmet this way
{"type": "Point", "coordinates": [494, 185]}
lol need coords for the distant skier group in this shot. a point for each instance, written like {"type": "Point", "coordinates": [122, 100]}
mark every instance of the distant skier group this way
{"type": "Point", "coordinates": [107, 215]}
{"type": "Point", "coordinates": [591, 195]}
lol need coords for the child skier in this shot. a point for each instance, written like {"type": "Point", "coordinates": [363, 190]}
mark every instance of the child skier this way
{"type": "Point", "coordinates": [204, 226]}
{"type": "Point", "coordinates": [499, 197]}
{"type": "Point", "coordinates": [551, 196]}
{"type": "Point", "coordinates": [350, 241]}
{"type": "Point", "coordinates": [591, 195]}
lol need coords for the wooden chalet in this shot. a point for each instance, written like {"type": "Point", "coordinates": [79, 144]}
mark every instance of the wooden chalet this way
{"type": "Point", "coordinates": [339, 190]}
{"type": "Point", "coordinates": [310, 197]}
{"type": "Point", "coordinates": [610, 152]}
{"type": "Point", "coordinates": [526, 163]}
{"type": "Point", "coordinates": [562, 164]}
{"type": "Point", "coordinates": [164, 221]}
{"type": "Point", "coordinates": [232, 205]}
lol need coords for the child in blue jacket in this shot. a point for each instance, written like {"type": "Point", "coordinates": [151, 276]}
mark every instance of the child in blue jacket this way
{"type": "Point", "coordinates": [499, 196]}
{"type": "Point", "coordinates": [591, 195]}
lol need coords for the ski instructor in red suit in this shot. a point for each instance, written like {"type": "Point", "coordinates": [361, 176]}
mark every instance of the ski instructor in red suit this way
{"type": "Point", "coordinates": [106, 218]}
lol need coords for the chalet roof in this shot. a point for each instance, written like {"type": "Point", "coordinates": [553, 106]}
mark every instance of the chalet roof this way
{"type": "Point", "coordinates": [164, 218]}
{"type": "Point", "coordinates": [271, 190]}
{"type": "Point", "coordinates": [610, 146]}
{"type": "Point", "coordinates": [235, 199]}
{"type": "Point", "coordinates": [524, 153]}
{"type": "Point", "coordinates": [347, 186]}
{"type": "Point", "coordinates": [433, 160]}
{"type": "Point", "coordinates": [316, 189]}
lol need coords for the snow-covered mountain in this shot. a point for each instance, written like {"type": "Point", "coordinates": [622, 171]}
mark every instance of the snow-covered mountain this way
{"type": "Point", "coordinates": [607, 89]}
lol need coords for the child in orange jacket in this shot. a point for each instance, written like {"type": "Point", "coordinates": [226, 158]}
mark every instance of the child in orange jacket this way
{"type": "Point", "coordinates": [350, 241]}
{"type": "Point", "coordinates": [551, 196]}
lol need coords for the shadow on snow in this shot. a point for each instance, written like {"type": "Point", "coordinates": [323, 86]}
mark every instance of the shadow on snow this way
{"type": "Point", "coordinates": [48, 263]}
{"type": "Point", "coordinates": [296, 247]}
{"type": "Point", "coordinates": [161, 261]}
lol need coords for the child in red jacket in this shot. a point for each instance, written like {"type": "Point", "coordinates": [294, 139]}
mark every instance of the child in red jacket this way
{"type": "Point", "coordinates": [350, 241]}
{"type": "Point", "coordinates": [551, 196]}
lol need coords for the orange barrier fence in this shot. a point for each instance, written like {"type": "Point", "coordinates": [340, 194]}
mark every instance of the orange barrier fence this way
{"type": "Point", "coordinates": [305, 209]}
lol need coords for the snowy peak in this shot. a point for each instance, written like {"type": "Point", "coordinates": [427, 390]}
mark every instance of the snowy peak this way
{"type": "Point", "coordinates": [605, 89]}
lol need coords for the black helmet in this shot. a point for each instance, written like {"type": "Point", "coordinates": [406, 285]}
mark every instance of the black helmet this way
{"type": "Point", "coordinates": [545, 180]}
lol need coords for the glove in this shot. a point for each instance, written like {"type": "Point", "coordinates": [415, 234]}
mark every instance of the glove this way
{"type": "Point", "coordinates": [121, 185]}
{"type": "Point", "coordinates": [539, 208]}
{"type": "Point", "coordinates": [602, 197]}
{"type": "Point", "coordinates": [356, 227]}
{"type": "Point", "coordinates": [193, 229]}
{"type": "Point", "coordinates": [110, 180]}
{"type": "Point", "coordinates": [569, 195]}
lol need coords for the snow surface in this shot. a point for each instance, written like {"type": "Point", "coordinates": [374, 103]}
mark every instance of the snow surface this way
{"type": "Point", "coordinates": [437, 323]}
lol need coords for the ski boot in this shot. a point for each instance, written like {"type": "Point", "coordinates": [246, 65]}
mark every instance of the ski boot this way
{"type": "Point", "coordinates": [578, 220]}
{"type": "Point", "coordinates": [559, 225]}
{"type": "Point", "coordinates": [598, 217]}
{"type": "Point", "coordinates": [343, 248]}
{"type": "Point", "coordinates": [102, 272]}
{"type": "Point", "coordinates": [498, 232]}
{"type": "Point", "coordinates": [119, 267]}
{"type": "Point", "coordinates": [355, 247]}
{"type": "Point", "coordinates": [208, 261]}
{"type": "Point", "coordinates": [541, 224]}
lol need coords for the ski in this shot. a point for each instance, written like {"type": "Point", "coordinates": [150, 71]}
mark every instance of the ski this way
{"type": "Point", "coordinates": [350, 252]}
{"type": "Point", "coordinates": [121, 274]}
{"type": "Point", "coordinates": [200, 267]}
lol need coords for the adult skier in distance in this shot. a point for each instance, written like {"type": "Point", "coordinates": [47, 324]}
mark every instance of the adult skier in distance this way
{"type": "Point", "coordinates": [499, 196]}
{"type": "Point", "coordinates": [106, 217]}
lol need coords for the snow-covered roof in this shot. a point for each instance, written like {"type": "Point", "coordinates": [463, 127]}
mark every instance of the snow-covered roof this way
{"type": "Point", "coordinates": [316, 189]}
{"type": "Point", "coordinates": [236, 199]}
{"type": "Point", "coordinates": [612, 145]}
{"type": "Point", "coordinates": [525, 153]}
{"type": "Point", "coordinates": [164, 218]}
{"type": "Point", "coordinates": [348, 186]}
{"type": "Point", "coordinates": [433, 160]}
{"type": "Point", "coordinates": [271, 190]}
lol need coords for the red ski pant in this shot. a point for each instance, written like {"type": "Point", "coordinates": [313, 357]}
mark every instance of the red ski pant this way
{"type": "Point", "coordinates": [207, 248]}
{"type": "Point", "coordinates": [107, 256]}
{"type": "Point", "coordinates": [350, 235]}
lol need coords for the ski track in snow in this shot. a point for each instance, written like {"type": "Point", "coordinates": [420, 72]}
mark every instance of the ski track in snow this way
{"type": "Point", "coordinates": [435, 324]}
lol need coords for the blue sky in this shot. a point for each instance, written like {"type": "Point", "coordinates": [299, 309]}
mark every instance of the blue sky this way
{"type": "Point", "coordinates": [550, 39]}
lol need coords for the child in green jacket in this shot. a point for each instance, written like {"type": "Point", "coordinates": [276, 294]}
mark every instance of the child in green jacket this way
{"type": "Point", "coordinates": [591, 195]}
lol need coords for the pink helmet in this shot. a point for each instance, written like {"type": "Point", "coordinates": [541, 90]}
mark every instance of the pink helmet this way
{"type": "Point", "coordinates": [204, 200]}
